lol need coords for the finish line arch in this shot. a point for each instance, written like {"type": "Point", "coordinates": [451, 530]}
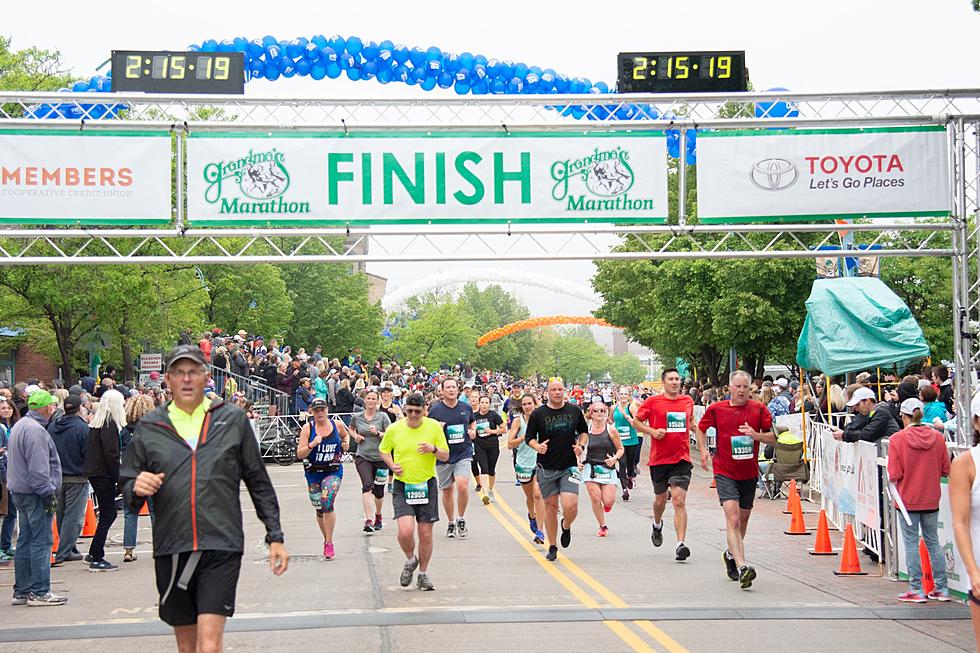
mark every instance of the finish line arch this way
{"type": "Point", "coordinates": [491, 275]}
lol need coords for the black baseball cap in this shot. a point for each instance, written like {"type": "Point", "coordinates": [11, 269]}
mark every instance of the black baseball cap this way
{"type": "Point", "coordinates": [72, 403]}
{"type": "Point", "coordinates": [318, 403]}
{"type": "Point", "coordinates": [192, 352]}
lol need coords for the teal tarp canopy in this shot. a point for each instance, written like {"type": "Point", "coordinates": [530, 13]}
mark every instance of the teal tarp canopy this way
{"type": "Point", "coordinates": [857, 323]}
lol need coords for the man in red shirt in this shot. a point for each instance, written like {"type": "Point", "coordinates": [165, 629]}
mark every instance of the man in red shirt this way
{"type": "Point", "coordinates": [205, 345]}
{"type": "Point", "coordinates": [741, 424]}
{"type": "Point", "coordinates": [667, 418]}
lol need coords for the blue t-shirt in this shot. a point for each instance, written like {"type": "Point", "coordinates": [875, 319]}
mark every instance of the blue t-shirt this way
{"type": "Point", "coordinates": [456, 424]}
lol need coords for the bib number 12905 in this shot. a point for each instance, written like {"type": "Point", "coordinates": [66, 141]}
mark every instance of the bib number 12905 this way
{"type": "Point", "coordinates": [416, 494]}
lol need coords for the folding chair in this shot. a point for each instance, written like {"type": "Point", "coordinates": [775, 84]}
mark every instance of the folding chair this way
{"type": "Point", "coordinates": [789, 465]}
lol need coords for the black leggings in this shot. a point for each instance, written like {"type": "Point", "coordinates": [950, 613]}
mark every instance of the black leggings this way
{"type": "Point", "coordinates": [627, 466]}
{"type": "Point", "coordinates": [366, 470]}
{"type": "Point", "coordinates": [485, 454]}
{"type": "Point", "coordinates": [105, 496]}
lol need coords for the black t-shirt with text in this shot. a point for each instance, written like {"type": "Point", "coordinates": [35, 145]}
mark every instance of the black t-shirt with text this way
{"type": "Point", "coordinates": [560, 429]}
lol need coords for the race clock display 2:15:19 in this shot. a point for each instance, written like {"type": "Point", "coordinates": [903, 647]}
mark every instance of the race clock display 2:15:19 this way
{"type": "Point", "coordinates": [178, 72]}
{"type": "Point", "coordinates": [682, 72]}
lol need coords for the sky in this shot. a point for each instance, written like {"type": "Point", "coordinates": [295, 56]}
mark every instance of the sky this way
{"type": "Point", "coordinates": [834, 45]}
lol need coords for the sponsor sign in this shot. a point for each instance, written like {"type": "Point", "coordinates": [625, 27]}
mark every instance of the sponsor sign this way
{"type": "Point", "coordinates": [151, 362]}
{"type": "Point", "coordinates": [374, 178]}
{"type": "Point", "coordinates": [779, 175]}
{"type": "Point", "coordinates": [61, 176]}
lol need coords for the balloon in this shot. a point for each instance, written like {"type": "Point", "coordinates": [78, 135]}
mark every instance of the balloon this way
{"type": "Point", "coordinates": [400, 53]}
{"type": "Point", "coordinates": [385, 75]}
{"type": "Point", "coordinates": [369, 69]}
{"type": "Point", "coordinates": [79, 87]}
{"type": "Point", "coordinates": [303, 67]}
{"type": "Point", "coordinates": [353, 74]}
{"type": "Point", "coordinates": [498, 87]}
{"type": "Point", "coordinates": [287, 66]}
{"type": "Point", "coordinates": [371, 51]}
{"type": "Point", "coordinates": [319, 41]}
{"type": "Point", "coordinates": [271, 71]}
{"type": "Point", "coordinates": [433, 54]}
{"type": "Point", "coordinates": [461, 87]}
{"type": "Point", "coordinates": [445, 79]}
{"type": "Point", "coordinates": [255, 48]}
{"type": "Point", "coordinates": [515, 85]}
{"type": "Point", "coordinates": [524, 325]}
{"type": "Point", "coordinates": [466, 61]}
{"type": "Point", "coordinates": [209, 46]}
{"type": "Point", "coordinates": [451, 62]}
{"type": "Point", "coordinates": [520, 71]}
{"type": "Point", "coordinates": [428, 83]}
{"type": "Point", "coordinates": [480, 87]}
{"type": "Point", "coordinates": [268, 40]}
{"type": "Point", "coordinates": [311, 52]}
{"type": "Point", "coordinates": [240, 44]}
{"type": "Point", "coordinates": [333, 71]}
{"type": "Point", "coordinates": [338, 43]}
{"type": "Point", "coordinates": [417, 56]}
{"type": "Point", "coordinates": [354, 45]}
{"type": "Point", "coordinates": [778, 109]}
{"type": "Point", "coordinates": [272, 53]}
{"type": "Point", "coordinates": [318, 71]}
{"type": "Point", "coordinates": [328, 54]}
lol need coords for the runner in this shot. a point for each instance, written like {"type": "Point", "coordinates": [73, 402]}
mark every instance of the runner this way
{"type": "Point", "coordinates": [416, 443]}
{"type": "Point", "coordinates": [667, 418]}
{"type": "Point", "coordinates": [458, 425]}
{"type": "Point", "coordinates": [387, 405]}
{"type": "Point", "coordinates": [603, 453]}
{"type": "Point", "coordinates": [525, 462]}
{"type": "Point", "coordinates": [623, 415]}
{"type": "Point", "coordinates": [368, 428]}
{"type": "Point", "coordinates": [489, 426]}
{"type": "Point", "coordinates": [322, 443]}
{"type": "Point", "coordinates": [741, 424]}
{"type": "Point", "coordinates": [557, 432]}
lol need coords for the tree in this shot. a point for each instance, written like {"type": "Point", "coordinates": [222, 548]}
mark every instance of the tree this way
{"type": "Point", "coordinates": [331, 309]}
{"type": "Point", "coordinates": [249, 297]}
{"type": "Point", "coordinates": [31, 69]}
{"type": "Point", "coordinates": [436, 334]}
{"type": "Point", "coordinates": [491, 308]}
{"type": "Point", "coordinates": [627, 368]}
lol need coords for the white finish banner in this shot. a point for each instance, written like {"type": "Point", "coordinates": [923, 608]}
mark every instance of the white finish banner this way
{"type": "Point", "coordinates": [781, 175]}
{"type": "Point", "coordinates": [396, 177]}
{"type": "Point", "coordinates": [62, 176]}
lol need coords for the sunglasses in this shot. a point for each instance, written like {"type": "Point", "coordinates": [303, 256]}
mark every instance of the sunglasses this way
{"type": "Point", "coordinates": [413, 411]}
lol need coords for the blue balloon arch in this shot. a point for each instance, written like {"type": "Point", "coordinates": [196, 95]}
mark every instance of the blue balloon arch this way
{"type": "Point", "coordinates": [321, 57]}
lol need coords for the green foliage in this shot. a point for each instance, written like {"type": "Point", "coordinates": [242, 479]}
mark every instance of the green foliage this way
{"type": "Point", "coordinates": [491, 308]}
{"type": "Point", "coordinates": [31, 69]}
{"type": "Point", "coordinates": [250, 297]}
{"type": "Point", "coordinates": [438, 334]}
{"type": "Point", "coordinates": [627, 368]}
{"type": "Point", "coordinates": [331, 309]}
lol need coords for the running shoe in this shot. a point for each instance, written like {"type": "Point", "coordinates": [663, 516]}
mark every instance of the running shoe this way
{"type": "Point", "coordinates": [40, 600]}
{"type": "Point", "coordinates": [552, 553]}
{"type": "Point", "coordinates": [566, 535]}
{"type": "Point", "coordinates": [75, 557]}
{"type": "Point", "coordinates": [937, 595]}
{"type": "Point", "coordinates": [88, 558]}
{"type": "Point", "coordinates": [682, 552]}
{"type": "Point", "coordinates": [629, 482]}
{"type": "Point", "coordinates": [493, 499]}
{"type": "Point", "coordinates": [408, 571]}
{"type": "Point", "coordinates": [911, 596]}
{"type": "Point", "coordinates": [368, 526]}
{"type": "Point", "coordinates": [657, 536]}
{"type": "Point", "coordinates": [486, 500]}
{"type": "Point", "coordinates": [538, 537]}
{"type": "Point", "coordinates": [328, 551]}
{"type": "Point", "coordinates": [603, 530]}
{"type": "Point", "coordinates": [378, 522]}
{"type": "Point", "coordinates": [730, 567]}
{"type": "Point", "coordinates": [626, 495]}
{"type": "Point", "coordinates": [532, 523]}
{"type": "Point", "coordinates": [4, 557]}
{"type": "Point", "coordinates": [479, 488]}
{"type": "Point", "coordinates": [101, 565]}
{"type": "Point", "coordinates": [461, 527]}
{"type": "Point", "coordinates": [424, 583]}
{"type": "Point", "coordinates": [19, 599]}
{"type": "Point", "coordinates": [745, 577]}
{"type": "Point", "coordinates": [451, 529]}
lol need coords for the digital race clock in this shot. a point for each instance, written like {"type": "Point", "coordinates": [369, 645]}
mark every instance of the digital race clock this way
{"type": "Point", "coordinates": [682, 72]}
{"type": "Point", "coordinates": [178, 72]}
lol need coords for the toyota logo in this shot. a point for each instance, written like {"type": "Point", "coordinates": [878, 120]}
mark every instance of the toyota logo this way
{"type": "Point", "coordinates": [774, 174]}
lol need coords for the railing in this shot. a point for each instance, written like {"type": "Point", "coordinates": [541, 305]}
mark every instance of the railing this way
{"type": "Point", "coordinates": [277, 435]}
{"type": "Point", "coordinates": [254, 391]}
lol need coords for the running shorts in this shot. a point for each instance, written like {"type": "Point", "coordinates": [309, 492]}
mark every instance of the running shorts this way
{"type": "Point", "coordinates": [448, 472]}
{"type": "Point", "coordinates": [425, 513]}
{"type": "Point", "coordinates": [671, 475]}
{"type": "Point", "coordinates": [555, 481]}
{"type": "Point", "coordinates": [211, 589]}
{"type": "Point", "coordinates": [731, 490]}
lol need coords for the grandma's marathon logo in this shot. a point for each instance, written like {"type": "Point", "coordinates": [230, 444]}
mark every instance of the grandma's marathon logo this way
{"type": "Point", "coordinates": [606, 178]}
{"type": "Point", "coordinates": [262, 180]}
{"type": "Point", "coordinates": [830, 172]}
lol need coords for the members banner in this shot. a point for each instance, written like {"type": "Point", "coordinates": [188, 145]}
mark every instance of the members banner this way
{"type": "Point", "coordinates": [789, 175]}
{"type": "Point", "coordinates": [61, 176]}
{"type": "Point", "coordinates": [249, 178]}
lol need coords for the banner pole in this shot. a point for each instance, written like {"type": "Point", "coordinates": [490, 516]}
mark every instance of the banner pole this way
{"type": "Point", "coordinates": [179, 171]}
{"type": "Point", "coordinates": [682, 180]}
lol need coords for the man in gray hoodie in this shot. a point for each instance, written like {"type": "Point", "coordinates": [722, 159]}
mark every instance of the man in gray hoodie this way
{"type": "Point", "coordinates": [33, 477]}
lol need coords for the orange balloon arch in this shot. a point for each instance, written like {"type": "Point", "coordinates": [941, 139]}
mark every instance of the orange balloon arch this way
{"type": "Point", "coordinates": [536, 322]}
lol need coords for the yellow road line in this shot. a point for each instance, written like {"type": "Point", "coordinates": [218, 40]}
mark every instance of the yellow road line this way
{"type": "Point", "coordinates": [666, 640]}
{"type": "Point", "coordinates": [624, 633]}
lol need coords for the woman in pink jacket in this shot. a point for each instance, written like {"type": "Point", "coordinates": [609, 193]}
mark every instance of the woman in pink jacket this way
{"type": "Point", "coordinates": [917, 459]}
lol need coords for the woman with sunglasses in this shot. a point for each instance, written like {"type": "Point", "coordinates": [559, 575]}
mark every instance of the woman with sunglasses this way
{"type": "Point", "coordinates": [602, 454]}
{"type": "Point", "coordinates": [525, 462]}
{"type": "Point", "coordinates": [322, 443]}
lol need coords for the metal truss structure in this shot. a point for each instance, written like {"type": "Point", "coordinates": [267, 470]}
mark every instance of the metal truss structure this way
{"type": "Point", "coordinates": [956, 238]}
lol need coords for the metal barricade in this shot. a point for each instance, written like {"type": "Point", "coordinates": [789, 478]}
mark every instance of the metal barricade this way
{"type": "Point", "coordinates": [278, 435]}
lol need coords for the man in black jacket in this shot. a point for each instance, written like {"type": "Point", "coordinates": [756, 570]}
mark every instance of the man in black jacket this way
{"type": "Point", "coordinates": [191, 455]}
{"type": "Point", "coordinates": [871, 422]}
{"type": "Point", "coordinates": [70, 435]}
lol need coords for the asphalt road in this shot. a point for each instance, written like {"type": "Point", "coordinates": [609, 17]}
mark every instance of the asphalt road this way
{"type": "Point", "coordinates": [494, 590]}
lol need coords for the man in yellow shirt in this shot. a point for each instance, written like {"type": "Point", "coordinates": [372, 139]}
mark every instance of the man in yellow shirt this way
{"type": "Point", "coordinates": [410, 448]}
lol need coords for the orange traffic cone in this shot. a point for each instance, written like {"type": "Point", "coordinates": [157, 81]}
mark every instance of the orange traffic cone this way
{"type": "Point", "coordinates": [822, 546]}
{"type": "Point", "coordinates": [850, 565]}
{"type": "Point", "coordinates": [145, 510]}
{"type": "Point", "coordinates": [88, 529]}
{"type": "Point", "coordinates": [928, 582]}
{"type": "Point", "coordinates": [792, 497]}
{"type": "Point", "coordinates": [57, 538]}
{"type": "Point", "coordinates": [796, 525]}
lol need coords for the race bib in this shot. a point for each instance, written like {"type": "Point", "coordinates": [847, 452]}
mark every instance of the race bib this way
{"type": "Point", "coordinates": [416, 494]}
{"type": "Point", "coordinates": [602, 473]}
{"type": "Point", "coordinates": [456, 433]}
{"type": "Point", "coordinates": [576, 475]}
{"type": "Point", "coordinates": [524, 474]}
{"type": "Point", "coordinates": [677, 422]}
{"type": "Point", "coordinates": [381, 476]}
{"type": "Point", "coordinates": [481, 429]}
{"type": "Point", "coordinates": [742, 447]}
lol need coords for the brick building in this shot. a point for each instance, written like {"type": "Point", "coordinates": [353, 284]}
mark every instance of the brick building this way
{"type": "Point", "coordinates": [19, 361]}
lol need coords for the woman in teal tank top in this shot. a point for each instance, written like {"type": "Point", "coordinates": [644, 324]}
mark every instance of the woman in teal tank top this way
{"type": "Point", "coordinates": [623, 415]}
{"type": "Point", "coordinates": [525, 465]}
